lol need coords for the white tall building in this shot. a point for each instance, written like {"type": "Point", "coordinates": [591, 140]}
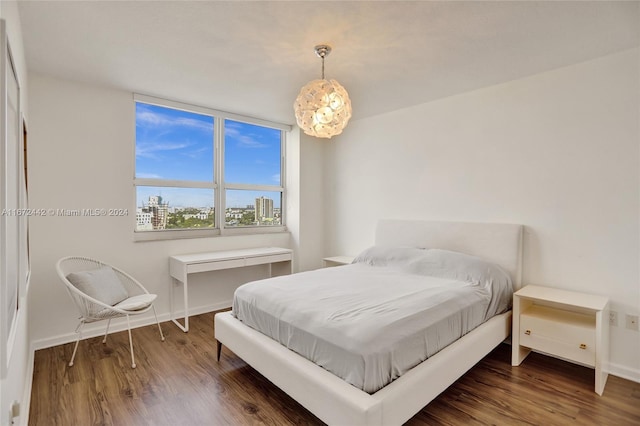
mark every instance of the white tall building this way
{"type": "Point", "coordinates": [264, 209]}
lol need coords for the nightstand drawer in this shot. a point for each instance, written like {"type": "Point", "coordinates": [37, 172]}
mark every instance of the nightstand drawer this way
{"type": "Point", "coordinates": [569, 335]}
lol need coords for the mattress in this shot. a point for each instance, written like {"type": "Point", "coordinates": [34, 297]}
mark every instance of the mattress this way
{"type": "Point", "coordinates": [371, 321]}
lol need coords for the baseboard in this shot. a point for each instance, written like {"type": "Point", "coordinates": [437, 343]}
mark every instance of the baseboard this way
{"type": "Point", "coordinates": [627, 373]}
{"type": "Point", "coordinates": [97, 329]}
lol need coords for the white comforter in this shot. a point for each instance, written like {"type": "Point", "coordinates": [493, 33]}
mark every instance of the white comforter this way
{"type": "Point", "coordinates": [371, 321]}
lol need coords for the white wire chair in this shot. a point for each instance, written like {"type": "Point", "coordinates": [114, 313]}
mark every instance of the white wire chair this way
{"type": "Point", "coordinates": [92, 310]}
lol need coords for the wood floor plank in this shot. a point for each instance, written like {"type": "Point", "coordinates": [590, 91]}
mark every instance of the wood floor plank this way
{"type": "Point", "coordinates": [178, 382]}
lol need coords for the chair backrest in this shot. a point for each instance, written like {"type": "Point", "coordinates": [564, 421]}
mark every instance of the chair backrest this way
{"type": "Point", "coordinates": [89, 307]}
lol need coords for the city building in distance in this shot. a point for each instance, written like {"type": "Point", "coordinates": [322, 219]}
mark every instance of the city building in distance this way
{"type": "Point", "coordinates": [264, 210]}
{"type": "Point", "coordinates": [157, 215]}
{"type": "Point", "coordinates": [152, 216]}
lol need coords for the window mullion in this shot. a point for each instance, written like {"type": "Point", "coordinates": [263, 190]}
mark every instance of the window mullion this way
{"type": "Point", "coordinates": [218, 144]}
{"type": "Point", "coordinates": [283, 195]}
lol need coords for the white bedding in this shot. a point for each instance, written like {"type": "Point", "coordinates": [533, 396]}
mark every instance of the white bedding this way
{"type": "Point", "coordinates": [371, 321]}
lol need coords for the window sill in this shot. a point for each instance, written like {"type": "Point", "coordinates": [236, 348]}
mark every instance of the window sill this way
{"type": "Point", "coordinates": [182, 234]}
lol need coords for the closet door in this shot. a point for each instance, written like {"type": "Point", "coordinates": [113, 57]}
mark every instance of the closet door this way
{"type": "Point", "coordinates": [11, 183]}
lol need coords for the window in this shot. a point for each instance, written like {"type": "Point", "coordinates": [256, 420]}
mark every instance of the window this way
{"type": "Point", "coordinates": [204, 172]}
{"type": "Point", "coordinates": [253, 174]}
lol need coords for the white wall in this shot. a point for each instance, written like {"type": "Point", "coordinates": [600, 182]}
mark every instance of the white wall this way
{"type": "Point", "coordinates": [304, 197]}
{"type": "Point", "coordinates": [16, 385]}
{"type": "Point", "coordinates": [557, 152]}
{"type": "Point", "coordinates": [82, 156]}
{"type": "Point", "coordinates": [312, 201]}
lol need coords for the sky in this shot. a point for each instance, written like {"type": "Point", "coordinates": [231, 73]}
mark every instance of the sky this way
{"type": "Point", "coordinates": [178, 145]}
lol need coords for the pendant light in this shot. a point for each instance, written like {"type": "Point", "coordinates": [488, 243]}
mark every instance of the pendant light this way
{"type": "Point", "coordinates": [323, 107]}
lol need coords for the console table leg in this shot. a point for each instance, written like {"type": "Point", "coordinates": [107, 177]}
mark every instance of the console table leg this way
{"type": "Point", "coordinates": [186, 307]}
{"type": "Point", "coordinates": [218, 350]}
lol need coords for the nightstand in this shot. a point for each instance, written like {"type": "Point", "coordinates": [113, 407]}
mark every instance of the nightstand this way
{"type": "Point", "coordinates": [337, 261]}
{"type": "Point", "coordinates": [567, 324]}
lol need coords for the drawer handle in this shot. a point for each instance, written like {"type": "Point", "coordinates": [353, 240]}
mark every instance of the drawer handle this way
{"type": "Point", "coordinates": [527, 332]}
{"type": "Point", "coordinates": [583, 346]}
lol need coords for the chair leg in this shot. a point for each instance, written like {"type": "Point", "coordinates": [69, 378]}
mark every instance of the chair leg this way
{"type": "Point", "coordinates": [106, 332]}
{"type": "Point", "coordinates": [75, 349]}
{"type": "Point", "coordinates": [133, 361]}
{"type": "Point", "coordinates": [158, 322]}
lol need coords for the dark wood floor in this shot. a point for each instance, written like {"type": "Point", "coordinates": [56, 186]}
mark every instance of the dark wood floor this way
{"type": "Point", "coordinates": [178, 382]}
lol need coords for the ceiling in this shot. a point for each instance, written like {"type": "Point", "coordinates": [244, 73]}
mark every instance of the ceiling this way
{"type": "Point", "coordinates": [252, 58]}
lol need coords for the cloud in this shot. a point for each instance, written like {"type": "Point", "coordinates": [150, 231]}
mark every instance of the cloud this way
{"type": "Point", "coordinates": [152, 149]}
{"type": "Point", "coordinates": [197, 153]}
{"type": "Point", "coordinates": [147, 117]}
{"type": "Point", "coordinates": [243, 140]}
{"type": "Point", "coordinates": [276, 178]}
{"type": "Point", "coordinates": [164, 134]}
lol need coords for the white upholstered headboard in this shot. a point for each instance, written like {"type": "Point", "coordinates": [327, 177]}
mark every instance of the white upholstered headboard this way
{"type": "Point", "coordinates": [494, 242]}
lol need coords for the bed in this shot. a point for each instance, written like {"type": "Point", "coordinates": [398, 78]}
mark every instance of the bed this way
{"type": "Point", "coordinates": [334, 400]}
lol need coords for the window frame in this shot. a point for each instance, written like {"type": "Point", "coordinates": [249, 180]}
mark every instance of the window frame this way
{"type": "Point", "coordinates": [218, 184]}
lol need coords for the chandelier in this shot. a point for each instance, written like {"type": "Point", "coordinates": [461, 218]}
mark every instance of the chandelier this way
{"type": "Point", "coordinates": [322, 107]}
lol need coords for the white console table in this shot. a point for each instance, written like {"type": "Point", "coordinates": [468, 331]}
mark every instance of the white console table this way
{"type": "Point", "coordinates": [180, 266]}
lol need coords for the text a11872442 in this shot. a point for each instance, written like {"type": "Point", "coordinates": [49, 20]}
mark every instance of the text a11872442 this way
{"type": "Point", "coordinates": [61, 212]}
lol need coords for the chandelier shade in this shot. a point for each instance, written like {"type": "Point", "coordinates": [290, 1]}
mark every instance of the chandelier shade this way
{"type": "Point", "coordinates": [323, 107]}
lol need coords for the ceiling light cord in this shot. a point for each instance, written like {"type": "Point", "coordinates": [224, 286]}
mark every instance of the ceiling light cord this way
{"type": "Point", "coordinates": [322, 50]}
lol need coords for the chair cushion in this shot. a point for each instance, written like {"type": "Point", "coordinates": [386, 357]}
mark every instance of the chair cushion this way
{"type": "Point", "coordinates": [135, 303]}
{"type": "Point", "coordinates": [102, 284]}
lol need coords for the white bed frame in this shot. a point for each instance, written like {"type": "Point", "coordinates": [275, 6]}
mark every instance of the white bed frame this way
{"type": "Point", "coordinates": [338, 403]}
